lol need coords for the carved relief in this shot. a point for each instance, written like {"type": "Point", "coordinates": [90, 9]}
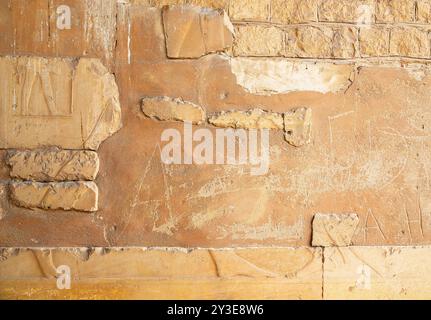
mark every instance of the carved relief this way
{"type": "Point", "coordinates": [57, 102]}
{"type": "Point", "coordinates": [43, 88]}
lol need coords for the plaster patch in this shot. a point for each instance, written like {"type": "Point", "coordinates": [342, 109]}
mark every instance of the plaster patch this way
{"type": "Point", "coordinates": [263, 76]}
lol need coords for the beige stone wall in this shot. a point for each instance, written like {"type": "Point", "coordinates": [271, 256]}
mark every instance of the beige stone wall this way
{"type": "Point", "coordinates": [344, 209]}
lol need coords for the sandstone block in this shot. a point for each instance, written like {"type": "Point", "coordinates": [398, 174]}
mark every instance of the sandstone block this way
{"type": "Point", "coordinates": [309, 42]}
{"type": "Point", "coordinates": [133, 273]}
{"type": "Point", "coordinates": [252, 119]}
{"type": "Point", "coordinates": [192, 32]}
{"type": "Point", "coordinates": [350, 11]}
{"type": "Point", "coordinates": [395, 10]}
{"type": "Point", "coordinates": [377, 273]}
{"type": "Point", "coordinates": [344, 43]}
{"type": "Point", "coordinates": [261, 76]}
{"type": "Point", "coordinates": [56, 102]}
{"type": "Point", "coordinates": [53, 165]}
{"type": "Point", "coordinates": [297, 126]}
{"type": "Point", "coordinates": [170, 109]}
{"type": "Point", "coordinates": [410, 42]}
{"type": "Point", "coordinates": [254, 40]}
{"type": "Point", "coordinates": [80, 196]}
{"type": "Point", "coordinates": [249, 10]}
{"type": "Point", "coordinates": [293, 11]}
{"type": "Point", "coordinates": [424, 11]}
{"type": "Point", "coordinates": [334, 229]}
{"type": "Point", "coordinates": [374, 42]}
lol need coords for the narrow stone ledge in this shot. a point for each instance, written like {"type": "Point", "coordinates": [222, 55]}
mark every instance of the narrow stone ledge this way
{"type": "Point", "coordinates": [80, 196]}
{"type": "Point", "coordinates": [172, 109]}
{"type": "Point", "coordinates": [334, 230]}
{"type": "Point", "coordinates": [192, 32]}
{"type": "Point", "coordinates": [251, 119]}
{"type": "Point", "coordinates": [53, 165]}
{"type": "Point", "coordinates": [164, 273]}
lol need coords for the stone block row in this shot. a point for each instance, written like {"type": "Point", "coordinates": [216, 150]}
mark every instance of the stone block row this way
{"type": "Point", "coordinates": [381, 272]}
{"type": "Point", "coordinates": [305, 11]}
{"type": "Point", "coordinates": [54, 179]}
{"type": "Point", "coordinates": [332, 42]}
{"type": "Point", "coordinates": [295, 123]}
{"type": "Point", "coordinates": [338, 11]}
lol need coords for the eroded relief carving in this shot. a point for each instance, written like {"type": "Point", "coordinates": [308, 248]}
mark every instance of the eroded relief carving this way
{"type": "Point", "coordinates": [57, 102]}
{"type": "Point", "coordinates": [41, 90]}
{"type": "Point", "coordinates": [64, 108]}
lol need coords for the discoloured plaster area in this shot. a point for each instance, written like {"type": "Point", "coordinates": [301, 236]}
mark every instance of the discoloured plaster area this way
{"type": "Point", "coordinates": [276, 76]}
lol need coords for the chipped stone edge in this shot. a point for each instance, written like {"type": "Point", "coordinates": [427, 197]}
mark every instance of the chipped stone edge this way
{"type": "Point", "coordinates": [178, 101]}
{"type": "Point", "coordinates": [90, 184]}
{"type": "Point", "coordinates": [11, 152]}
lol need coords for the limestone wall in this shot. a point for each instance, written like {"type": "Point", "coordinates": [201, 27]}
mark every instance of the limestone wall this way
{"type": "Point", "coordinates": [89, 90]}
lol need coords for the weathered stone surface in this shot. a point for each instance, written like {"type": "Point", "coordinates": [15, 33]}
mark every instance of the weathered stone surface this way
{"type": "Point", "coordinates": [309, 41]}
{"type": "Point", "coordinates": [321, 42]}
{"type": "Point", "coordinates": [395, 10]}
{"type": "Point", "coordinates": [81, 196]}
{"type": "Point", "coordinates": [161, 274]}
{"type": "Point", "coordinates": [216, 4]}
{"type": "Point", "coordinates": [368, 155]}
{"type": "Point", "coordinates": [53, 165]}
{"type": "Point", "coordinates": [162, 79]}
{"type": "Point", "coordinates": [331, 230]}
{"type": "Point", "coordinates": [4, 204]}
{"type": "Point", "coordinates": [172, 109]}
{"type": "Point", "coordinates": [424, 11]}
{"type": "Point", "coordinates": [374, 42]}
{"type": "Point", "coordinates": [252, 119]}
{"type": "Point", "coordinates": [54, 102]}
{"type": "Point", "coordinates": [293, 11]}
{"type": "Point", "coordinates": [140, 35]}
{"type": "Point", "coordinates": [297, 126]}
{"type": "Point", "coordinates": [377, 273]}
{"type": "Point", "coordinates": [256, 40]}
{"type": "Point", "coordinates": [344, 43]}
{"type": "Point", "coordinates": [192, 32]}
{"type": "Point", "coordinates": [30, 28]}
{"type": "Point", "coordinates": [265, 77]}
{"type": "Point", "coordinates": [410, 42]}
{"type": "Point", "coordinates": [249, 10]}
{"type": "Point", "coordinates": [351, 11]}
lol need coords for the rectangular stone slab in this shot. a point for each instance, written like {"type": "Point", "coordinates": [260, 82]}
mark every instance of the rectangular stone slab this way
{"type": "Point", "coordinates": [377, 273]}
{"type": "Point", "coordinates": [81, 196]}
{"type": "Point", "coordinates": [56, 102]}
{"type": "Point", "coordinates": [53, 165]}
{"type": "Point", "coordinates": [159, 273]}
